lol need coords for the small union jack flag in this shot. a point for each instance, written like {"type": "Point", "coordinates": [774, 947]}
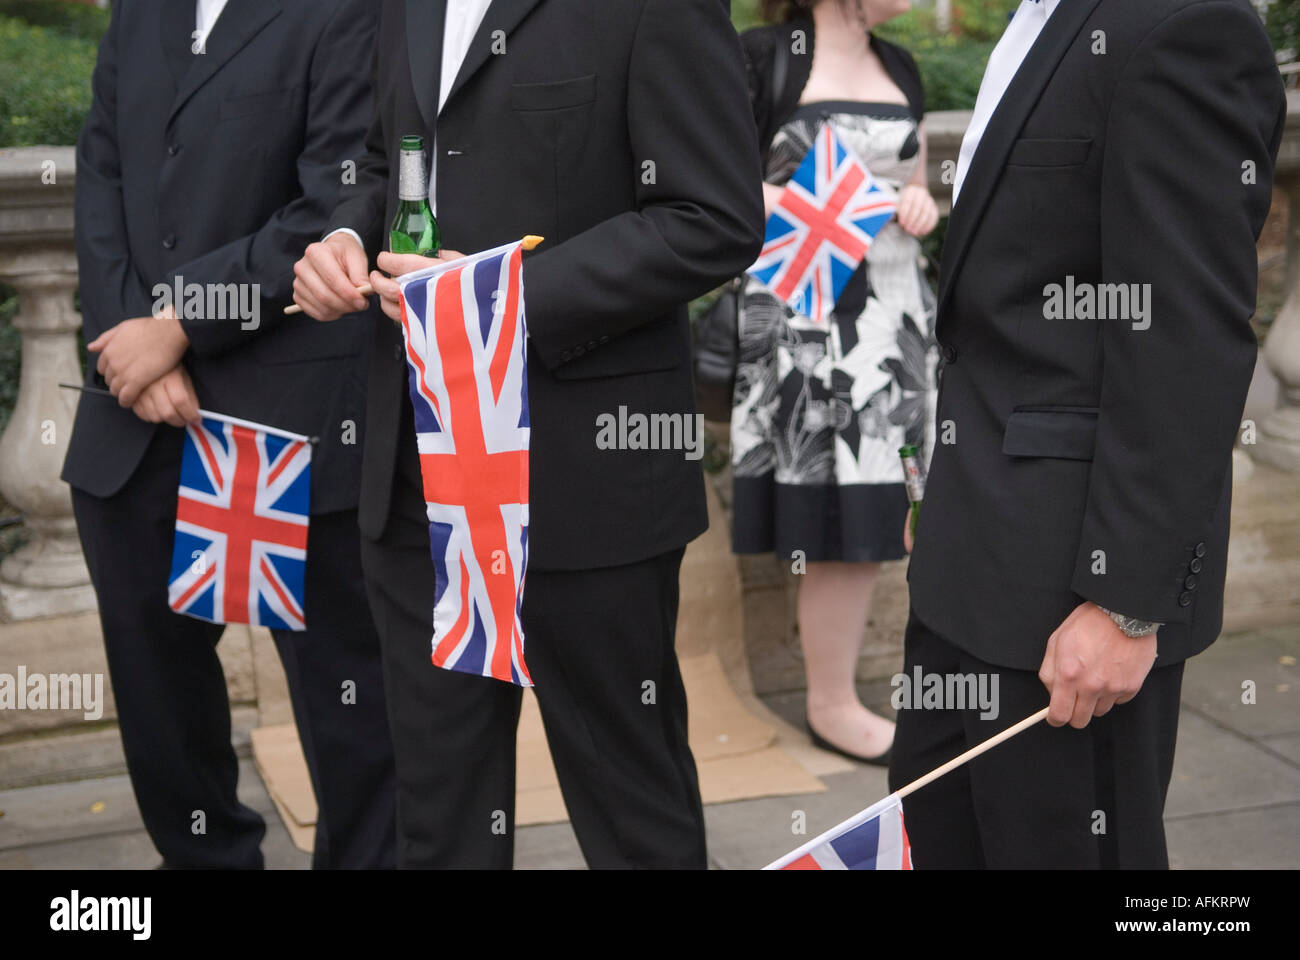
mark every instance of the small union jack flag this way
{"type": "Point", "coordinates": [240, 548]}
{"type": "Point", "coordinates": [874, 839]}
{"type": "Point", "coordinates": [463, 323]}
{"type": "Point", "coordinates": [822, 228]}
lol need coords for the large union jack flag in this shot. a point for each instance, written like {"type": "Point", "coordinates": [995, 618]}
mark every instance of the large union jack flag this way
{"type": "Point", "coordinates": [240, 549]}
{"type": "Point", "coordinates": [822, 228]}
{"type": "Point", "coordinates": [463, 322]}
{"type": "Point", "coordinates": [874, 839]}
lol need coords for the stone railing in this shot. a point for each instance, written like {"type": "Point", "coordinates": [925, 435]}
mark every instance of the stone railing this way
{"type": "Point", "coordinates": [48, 576]}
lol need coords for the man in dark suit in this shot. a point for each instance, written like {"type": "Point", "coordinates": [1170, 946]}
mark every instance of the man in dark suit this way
{"type": "Point", "coordinates": [215, 148]}
{"type": "Point", "coordinates": [620, 131]}
{"type": "Point", "coordinates": [1097, 285]}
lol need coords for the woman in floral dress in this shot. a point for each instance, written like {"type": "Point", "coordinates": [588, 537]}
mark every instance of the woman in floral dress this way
{"type": "Point", "coordinates": [822, 407]}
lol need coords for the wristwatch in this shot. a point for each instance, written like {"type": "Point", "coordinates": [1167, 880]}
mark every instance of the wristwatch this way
{"type": "Point", "coordinates": [1132, 626]}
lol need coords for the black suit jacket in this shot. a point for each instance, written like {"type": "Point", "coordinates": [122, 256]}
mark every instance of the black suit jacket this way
{"type": "Point", "coordinates": [1088, 459]}
{"type": "Point", "coordinates": [620, 130]}
{"type": "Point", "coordinates": [219, 168]}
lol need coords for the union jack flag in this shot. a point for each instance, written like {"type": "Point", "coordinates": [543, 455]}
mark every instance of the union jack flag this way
{"type": "Point", "coordinates": [822, 228]}
{"type": "Point", "coordinates": [463, 323]}
{"type": "Point", "coordinates": [874, 839]}
{"type": "Point", "coordinates": [240, 550]}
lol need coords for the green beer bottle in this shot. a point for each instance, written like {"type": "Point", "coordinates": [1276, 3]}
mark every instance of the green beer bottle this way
{"type": "Point", "coordinates": [414, 229]}
{"type": "Point", "coordinates": [914, 480]}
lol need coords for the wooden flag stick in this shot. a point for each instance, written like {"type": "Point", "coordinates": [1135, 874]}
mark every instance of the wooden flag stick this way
{"type": "Point", "coordinates": [207, 413]}
{"type": "Point", "coordinates": [529, 242]}
{"type": "Point", "coordinates": [916, 784]}
{"type": "Point", "coordinates": [972, 753]}
{"type": "Point", "coordinates": [365, 290]}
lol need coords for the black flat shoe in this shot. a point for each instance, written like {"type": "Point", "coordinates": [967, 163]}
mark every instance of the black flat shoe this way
{"type": "Point", "coordinates": [819, 741]}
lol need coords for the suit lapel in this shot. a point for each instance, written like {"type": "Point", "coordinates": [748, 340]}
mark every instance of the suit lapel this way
{"type": "Point", "coordinates": [177, 27]}
{"type": "Point", "coordinates": [503, 15]}
{"type": "Point", "coordinates": [239, 22]}
{"type": "Point", "coordinates": [1003, 129]}
{"type": "Point", "coordinates": [425, 20]}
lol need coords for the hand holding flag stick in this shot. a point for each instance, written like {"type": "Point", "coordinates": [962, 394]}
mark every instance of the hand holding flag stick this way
{"type": "Point", "coordinates": [875, 838]}
{"type": "Point", "coordinates": [367, 289]}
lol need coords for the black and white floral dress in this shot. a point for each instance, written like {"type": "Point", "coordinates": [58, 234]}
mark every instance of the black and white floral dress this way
{"type": "Point", "coordinates": [820, 409]}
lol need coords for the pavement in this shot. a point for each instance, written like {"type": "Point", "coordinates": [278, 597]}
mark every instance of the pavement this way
{"type": "Point", "coordinates": [1234, 802]}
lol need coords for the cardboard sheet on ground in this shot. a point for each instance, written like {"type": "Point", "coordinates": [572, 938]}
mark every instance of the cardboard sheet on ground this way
{"type": "Point", "coordinates": [283, 768]}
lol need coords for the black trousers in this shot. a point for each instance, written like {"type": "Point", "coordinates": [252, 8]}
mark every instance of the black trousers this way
{"type": "Point", "coordinates": [600, 647]}
{"type": "Point", "coordinates": [1048, 797]}
{"type": "Point", "coordinates": [170, 689]}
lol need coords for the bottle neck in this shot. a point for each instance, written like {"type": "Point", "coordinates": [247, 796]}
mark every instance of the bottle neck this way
{"type": "Point", "coordinates": [412, 179]}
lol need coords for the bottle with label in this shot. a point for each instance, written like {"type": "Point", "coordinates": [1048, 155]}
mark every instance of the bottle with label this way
{"type": "Point", "coordinates": [914, 480]}
{"type": "Point", "coordinates": [414, 228]}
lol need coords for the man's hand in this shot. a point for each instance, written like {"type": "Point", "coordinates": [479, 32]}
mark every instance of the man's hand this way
{"type": "Point", "coordinates": [169, 399]}
{"type": "Point", "coordinates": [396, 264]}
{"type": "Point", "coordinates": [1091, 665]}
{"type": "Point", "coordinates": [917, 212]}
{"type": "Point", "coordinates": [907, 532]}
{"type": "Point", "coordinates": [137, 352]}
{"type": "Point", "coordinates": [326, 278]}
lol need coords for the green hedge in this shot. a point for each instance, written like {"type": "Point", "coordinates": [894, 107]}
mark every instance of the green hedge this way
{"type": "Point", "coordinates": [1283, 23]}
{"type": "Point", "coordinates": [951, 66]}
{"type": "Point", "coordinates": [47, 55]}
{"type": "Point", "coordinates": [72, 19]}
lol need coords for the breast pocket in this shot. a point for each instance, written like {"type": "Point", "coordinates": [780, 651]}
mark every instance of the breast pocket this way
{"type": "Point", "coordinates": [554, 94]}
{"type": "Point", "coordinates": [1049, 153]}
{"type": "Point", "coordinates": [252, 104]}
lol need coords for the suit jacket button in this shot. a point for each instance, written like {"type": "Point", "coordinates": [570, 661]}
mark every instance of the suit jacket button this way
{"type": "Point", "coordinates": [565, 355]}
{"type": "Point", "coordinates": [169, 241]}
{"type": "Point", "coordinates": [1200, 549]}
{"type": "Point", "coordinates": [173, 149]}
{"type": "Point", "coordinates": [1190, 582]}
{"type": "Point", "coordinates": [949, 354]}
{"type": "Point", "coordinates": [1195, 565]}
{"type": "Point", "coordinates": [1185, 599]}
{"type": "Point", "coordinates": [604, 339]}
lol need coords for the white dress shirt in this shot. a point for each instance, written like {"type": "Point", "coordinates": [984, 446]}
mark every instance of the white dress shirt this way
{"type": "Point", "coordinates": [205, 15]}
{"type": "Point", "coordinates": [463, 19]}
{"type": "Point", "coordinates": [1004, 63]}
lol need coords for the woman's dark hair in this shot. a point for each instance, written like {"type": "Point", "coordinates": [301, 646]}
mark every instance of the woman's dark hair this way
{"type": "Point", "coordinates": [783, 11]}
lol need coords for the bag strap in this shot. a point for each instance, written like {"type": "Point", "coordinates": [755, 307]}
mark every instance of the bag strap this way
{"type": "Point", "coordinates": [780, 68]}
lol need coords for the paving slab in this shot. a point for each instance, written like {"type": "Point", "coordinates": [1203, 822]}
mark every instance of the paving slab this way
{"type": "Point", "coordinates": [1287, 745]}
{"type": "Point", "coordinates": [548, 846]}
{"type": "Point", "coordinates": [90, 754]}
{"type": "Point", "coordinates": [1266, 838]}
{"type": "Point", "coordinates": [748, 834]}
{"type": "Point", "coordinates": [80, 809]}
{"type": "Point", "coordinates": [1212, 681]}
{"type": "Point", "coordinates": [1217, 770]}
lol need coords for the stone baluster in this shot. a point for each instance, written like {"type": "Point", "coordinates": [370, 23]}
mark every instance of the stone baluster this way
{"type": "Point", "coordinates": [1279, 433]}
{"type": "Point", "coordinates": [47, 576]}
